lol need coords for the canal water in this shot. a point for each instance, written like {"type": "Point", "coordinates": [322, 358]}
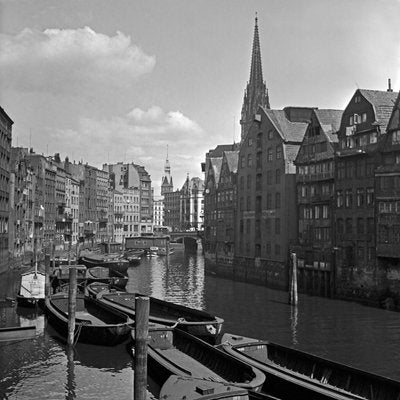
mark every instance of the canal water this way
{"type": "Point", "coordinates": [350, 333]}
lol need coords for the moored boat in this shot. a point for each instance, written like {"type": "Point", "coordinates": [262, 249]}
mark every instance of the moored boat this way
{"type": "Point", "coordinates": [115, 262]}
{"type": "Point", "coordinates": [172, 351]}
{"type": "Point", "coordinates": [163, 251]}
{"type": "Point", "coordinates": [104, 275]}
{"type": "Point", "coordinates": [189, 388]}
{"type": "Point", "coordinates": [291, 373]}
{"type": "Point", "coordinates": [13, 333]}
{"type": "Point", "coordinates": [152, 251]}
{"type": "Point", "coordinates": [94, 324]}
{"type": "Point", "coordinates": [32, 288]}
{"type": "Point", "coordinates": [196, 322]}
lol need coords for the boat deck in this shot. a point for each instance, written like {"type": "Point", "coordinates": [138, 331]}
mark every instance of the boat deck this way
{"type": "Point", "coordinates": [190, 364]}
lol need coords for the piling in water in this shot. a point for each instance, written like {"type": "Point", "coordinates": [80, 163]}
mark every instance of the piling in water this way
{"type": "Point", "coordinates": [71, 305]}
{"type": "Point", "coordinates": [142, 307]}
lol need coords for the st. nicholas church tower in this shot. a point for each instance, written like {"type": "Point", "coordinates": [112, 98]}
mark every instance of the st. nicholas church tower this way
{"type": "Point", "coordinates": [256, 93]}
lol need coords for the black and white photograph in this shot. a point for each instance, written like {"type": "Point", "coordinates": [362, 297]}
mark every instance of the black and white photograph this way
{"type": "Point", "coordinates": [199, 199]}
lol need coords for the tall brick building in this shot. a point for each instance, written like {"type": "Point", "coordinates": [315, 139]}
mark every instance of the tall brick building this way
{"type": "Point", "coordinates": [363, 123]}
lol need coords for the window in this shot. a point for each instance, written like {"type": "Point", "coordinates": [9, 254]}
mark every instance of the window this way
{"type": "Point", "coordinates": [269, 154]}
{"type": "Point", "coordinates": [364, 117]}
{"type": "Point", "coordinates": [268, 225]}
{"type": "Point", "coordinates": [249, 160]}
{"type": "Point", "coordinates": [316, 212]}
{"type": "Point", "coordinates": [242, 162]}
{"type": "Point", "coordinates": [370, 225]}
{"type": "Point", "coordinates": [350, 170]}
{"type": "Point", "coordinates": [248, 203]}
{"type": "Point", "coordinates": [277, 200]}
{"type": "Point", "coordinates": [370, 196]}
{"type": "Point", "coordinates": [242, 182]}
{"type": "Point", "coordinates": [277, 250]}
{"type": "Point", "coordinates": [341, 170]}
{"type": "Point", "coordinates": [248, 181]}
{"type": "Point", "coordinates": [360, 197]}
{"type": "Point", "coordinates": [258, 182]}
{"type": "Point", "coordinates": [250, 142]}
{"type": "Point", "coordinates": [278, 176]}
{"type": "Point", "coordinates": [349, 198]}
{"type": "Point", "coordinates": [396, 137]}
{"type": "Point", "coordinates": [278, 152]}
{"type": "Point", "coordinates": [248, 225]}
{"type": "Point", "coordinates": [339, 198]}
{"type": "Point", "coordinates": [325, 212]}
{"type": "Point", "coordinates": [269, 201]}
{"type": "Point", "coordinates": [270, 134]}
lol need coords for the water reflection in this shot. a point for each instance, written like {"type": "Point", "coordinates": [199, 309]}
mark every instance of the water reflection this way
{"type": "Point", "coordinates": [294, 314]}
{"type": "Point", "coordinates": [70, 385]}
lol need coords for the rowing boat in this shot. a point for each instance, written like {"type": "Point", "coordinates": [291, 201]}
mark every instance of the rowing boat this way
{"type": "Point", "coordinates": [291, 373]}
{"type": "Point", "coordinates": [94, 324]}
{"type": "Point", "coordinates": [171, 351]}
{"type": "Point", "coordinates": [196, 322]}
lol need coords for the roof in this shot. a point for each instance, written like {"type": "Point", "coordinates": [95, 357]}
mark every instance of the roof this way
{"type": "Point", "coordinates": [330, 122]}
{"type": "Point", "coordinates": [232, 159]}
{"type": "Point", "coordinates": [220, 149]}
{"type": "Point", "coordinates": [382, 102]}
{"type": "Point", "coordinates": [290, 131]}
{"type": "Point", "coordinates": [394, 122]}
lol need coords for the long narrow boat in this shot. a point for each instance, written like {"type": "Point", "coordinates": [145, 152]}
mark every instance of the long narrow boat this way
{"type": "Point", "coordinates": [291, 372]}
{"type": "Point", "coordinates": [196, 322]}
{"type": "Point", "coordinates": [94, 324]}
{"type": "Point", "coordinates": [188, 388]}
{"type": "Point", "coordinates": [105, 275]}
{"type": "Point", "coordinates": [171, 351]}
{"type": "Point", "coordinates": [115, 262]}
{"type": "Point", "coordinates": [32, 288]}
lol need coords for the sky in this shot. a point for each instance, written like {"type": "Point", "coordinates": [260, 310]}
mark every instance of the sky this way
{"type": "Point", "coordinates": [104, 81]}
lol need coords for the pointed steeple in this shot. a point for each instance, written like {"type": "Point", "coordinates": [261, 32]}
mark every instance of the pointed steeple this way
{"type": "Point", "coordinates": [166, 181]}
{"type": "Point", "coordinates": [256, 92]}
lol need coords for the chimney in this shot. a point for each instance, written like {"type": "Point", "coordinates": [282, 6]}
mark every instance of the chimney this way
{"type": "Point", "coordinates": [389, 89]}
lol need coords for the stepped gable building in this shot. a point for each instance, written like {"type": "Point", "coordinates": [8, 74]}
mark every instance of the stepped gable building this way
{"type": "Point", "coordinates": [266, 221]}
{"type": "Point", "coordinates": [387, 190]}
{"type": "Point", "coordinates": [212, 168]}
{"type": "Point", "coordinates": [363, 123]}
{"type": "Point", "coordinates": [315, 195]}
{"type": "Point", "coordinates": [256, 93]}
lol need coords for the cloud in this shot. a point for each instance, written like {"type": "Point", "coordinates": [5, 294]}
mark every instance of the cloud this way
{"type": "Point", "coordinates": [71, 61]}
{"type": "Point", "coordinates": [141, 136]}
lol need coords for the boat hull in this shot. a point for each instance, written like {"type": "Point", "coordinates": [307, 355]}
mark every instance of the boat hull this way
{"type": "Point", "coordinates": [172, 351]}
{"type": "Point", "coordinates": [93, 324]}
{"type": "Point", "coordinates": [196, 322]}
{"type": "Point", "coordinates": [294, 374]}
{"type": "Point", "coordinates": [117, 264]}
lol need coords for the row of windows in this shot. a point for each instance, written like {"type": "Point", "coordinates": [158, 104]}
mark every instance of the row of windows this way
{"type": "Point", "coordinates": [363, 197]}
{"type": "Point", "coordinates": [314, 148]}
{"type": "Point", "coordinates": [314, 212]}
{"type": "Point", "coordinates": [361, 140]}
{"type": "Point", "coordinates": [362, 226]}
{"type": "Point", "coordinates": [315, 169]}
{"type": "Point", "coordinates": [389, 234]}
{"type": "Point", "coordinates": [270, 157]}
{"type": "Point", "coordinates": [314, 190]}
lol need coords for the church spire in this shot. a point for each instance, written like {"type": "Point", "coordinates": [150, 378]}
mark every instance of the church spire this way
{"type": "Point", "coordinates": [166, 182]}
{"type": "Point", "coordinates": [256, 92]}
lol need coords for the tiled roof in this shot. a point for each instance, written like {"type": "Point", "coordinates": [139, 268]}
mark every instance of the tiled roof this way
{"type": "Point", "coordinates": [232, 159]}
{"type": "Point", "coordinates": [394, 122]}
{"type": "Point", "coordinates": [330, 122]}
{"type": "Point", "coordinates": [220, 149]}
{"type": "Point", "coordinates": [383, 103]}
{"type": "Point", "coordinates": [290, 131]}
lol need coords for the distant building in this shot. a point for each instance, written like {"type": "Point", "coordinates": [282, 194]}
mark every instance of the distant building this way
{"type": "Point", "coordinates": [167, 185]}
{"type": "Point", "coordinates": [315, 202]}
{"type": "Point", "coordinates": [172, 209]}
{"type": "Point", "coordinates": [363, 123]}
{"type": "Point", "coordinates": [192, 204]}
{"type": "Point", "coordinates": [158, 212]}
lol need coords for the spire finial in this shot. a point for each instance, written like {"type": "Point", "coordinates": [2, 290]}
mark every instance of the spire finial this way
{"type": "Point", "coordinates": [167, 152]}
{"type": "Point", "coordinates": [256, 18]}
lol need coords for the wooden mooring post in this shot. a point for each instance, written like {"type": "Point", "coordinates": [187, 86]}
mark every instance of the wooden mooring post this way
{"type": "Point", "coordinates": [47, 274]}
{"type": "Point", "coordinates": [142, 307]}
{"type": "Point", "coordinates": [72, 305]}
{"type": "Point", "coordinates": [293, 296]}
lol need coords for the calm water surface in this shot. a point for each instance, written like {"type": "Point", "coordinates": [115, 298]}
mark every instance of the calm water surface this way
{"type": "Point", "coordinates": [365, 337]}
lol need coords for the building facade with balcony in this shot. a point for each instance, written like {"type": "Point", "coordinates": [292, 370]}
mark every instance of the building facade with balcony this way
{"type": "Point", "coordinates": [5, 148]}
{"type": "Point", "coordinates": [387, 193]}
{"type": "Point", "coordinates": [363, 123]}
{"type": "Point", "coordinates": [315, 201]}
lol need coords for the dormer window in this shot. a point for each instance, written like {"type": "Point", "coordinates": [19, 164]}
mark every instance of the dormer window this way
{"type": "Point", "coordinates": [396, 137]}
